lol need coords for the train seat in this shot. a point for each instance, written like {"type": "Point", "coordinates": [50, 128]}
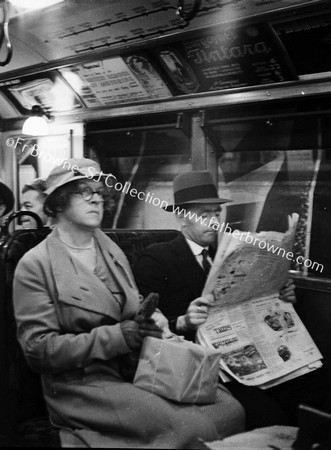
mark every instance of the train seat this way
{"type": "Point", "coordinates": [23, 415]}
{"type": "Point", "coordinates": [22, 409]}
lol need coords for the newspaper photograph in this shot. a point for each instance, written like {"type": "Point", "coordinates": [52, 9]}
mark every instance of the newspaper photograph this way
{"type": "Point", "coordinates": [262, 339]}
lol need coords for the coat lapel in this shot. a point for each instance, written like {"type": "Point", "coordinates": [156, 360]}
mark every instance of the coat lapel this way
{"type": "Point", "coordinates": [76, 285]}
{"type": "Point", "coordinates": [188, 266]}
{"type": "Point", "coordinates": [120, 268]}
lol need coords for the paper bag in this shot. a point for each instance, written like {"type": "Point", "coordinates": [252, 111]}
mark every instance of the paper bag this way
{"type": "Point", "coordinates": [178, 370]}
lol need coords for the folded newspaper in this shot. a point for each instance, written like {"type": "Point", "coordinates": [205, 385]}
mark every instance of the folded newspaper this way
{"type": "Point", "coordinates": [261, 338]}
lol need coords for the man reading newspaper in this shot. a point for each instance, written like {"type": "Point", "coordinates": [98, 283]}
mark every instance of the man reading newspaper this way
{"type": "Point", "coordinates": [177, 271]}
{"type": "Point", "coordinates": [247, 322]}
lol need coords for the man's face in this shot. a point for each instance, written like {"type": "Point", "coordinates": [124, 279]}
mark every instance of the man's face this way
{"type": "Point", "coordinates": [32, 201]}
{"type": "Point", "coordinates": [198, 225]}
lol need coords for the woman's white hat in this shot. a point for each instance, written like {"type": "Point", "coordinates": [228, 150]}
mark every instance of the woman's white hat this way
{"type": "Point", "coordinates": [71, 170]}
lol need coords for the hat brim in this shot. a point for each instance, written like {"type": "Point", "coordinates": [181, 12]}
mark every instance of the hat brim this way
{"type": "Point", "coordinates": [54, 188]}
{"type": "Point", "coordinates": [8, 197]}
{"type": "Point", "coordinates": [49, 192]}
{"type": "Point", "coordinates": [171, 208]}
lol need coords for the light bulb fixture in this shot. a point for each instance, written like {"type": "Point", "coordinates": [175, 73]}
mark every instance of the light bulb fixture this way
{"type": "Point", "coordinates": [34, 4]}
{"type": "Point", "coordinates": [187, 16]}
{"type": "Point", "coordinates": [37, 123]}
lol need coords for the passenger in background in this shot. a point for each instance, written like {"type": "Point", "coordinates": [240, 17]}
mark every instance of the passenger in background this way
{"type": "Point", "coordinates": [33, 198]}
{"type": "Point", "coordinates": [75, 303]}
{"type": "Point", "coordinates": [177, 270]}
{"type": "Point", "coordinates": [7, 201]}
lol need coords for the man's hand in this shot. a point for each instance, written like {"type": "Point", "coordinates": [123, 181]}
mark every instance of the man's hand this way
{"type": "Point", "coordinates": [287, 293]}
{"type": "Point", "coordinates": [134, 332]}
{"type": "Point", "coordinates": [196, 313]}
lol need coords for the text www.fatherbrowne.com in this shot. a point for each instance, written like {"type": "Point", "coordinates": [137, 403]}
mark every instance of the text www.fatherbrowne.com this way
{"type": "Point", "coordinates": [248, 238]}
{"type": "Point", "coordinates": [111, 182]}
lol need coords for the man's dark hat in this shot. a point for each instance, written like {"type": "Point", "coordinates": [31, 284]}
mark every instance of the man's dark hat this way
{"type": "Point", "coordinates": [8, 197]}
{"type": "Point", "coordinates": [195, 187]}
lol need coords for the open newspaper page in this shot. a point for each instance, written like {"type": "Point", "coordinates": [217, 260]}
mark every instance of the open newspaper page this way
{"type": "Point", "coordinates": [262, 340]}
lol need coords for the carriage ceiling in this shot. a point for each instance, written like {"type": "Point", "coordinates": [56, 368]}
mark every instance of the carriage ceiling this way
{"type": "Point", "coordinates": [99, 45]}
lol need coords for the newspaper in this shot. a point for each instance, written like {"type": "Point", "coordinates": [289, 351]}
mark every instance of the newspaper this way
{"type": "Point", "coordinates": [261, 338]}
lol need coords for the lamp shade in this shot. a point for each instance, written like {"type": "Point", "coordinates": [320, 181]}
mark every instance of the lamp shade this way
{"type": "Point", "coordinates": [35, 126]}
{"type": "Point", "coordinates": [34, 4]}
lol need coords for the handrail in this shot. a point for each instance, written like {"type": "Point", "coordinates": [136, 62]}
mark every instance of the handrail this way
{"type": "Point", "coordinates": [17, 214]}
{"type": "Point", "coordinates": [5, 34]}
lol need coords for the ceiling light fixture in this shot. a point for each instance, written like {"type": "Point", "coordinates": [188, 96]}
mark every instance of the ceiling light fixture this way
{"type": "Point", "coordinates": [34, 4]}
{"type": "Point", "coordinates": [37, 123]}
{"type": "Point", "coordinates": [187, 16]}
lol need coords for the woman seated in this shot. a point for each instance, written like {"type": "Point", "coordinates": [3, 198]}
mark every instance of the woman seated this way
{"type": "Point", "coordinates": [75, 301]}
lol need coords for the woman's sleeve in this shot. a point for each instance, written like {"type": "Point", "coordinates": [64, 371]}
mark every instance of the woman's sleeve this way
{"type": "Point", "coordinates": [46, 347]}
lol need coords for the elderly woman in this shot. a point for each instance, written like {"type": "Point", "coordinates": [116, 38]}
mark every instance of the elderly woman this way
{"type": "Point", "coordinates": [75, 300]}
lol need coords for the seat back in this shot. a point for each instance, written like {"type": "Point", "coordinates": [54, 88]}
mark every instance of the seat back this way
{"type": "Point", "coordinates": [314, 429]}
{"type": "Point", "coordinates": [20, 389]}
{"type": "Point", "coordinates": [133, 242]}
{"type": "Point", "coordinates": [23, 414]}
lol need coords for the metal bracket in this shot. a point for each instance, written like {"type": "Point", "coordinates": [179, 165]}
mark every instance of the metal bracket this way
{"type": "Point", "coordinates": [210, 133]}
{"type": "Point", "coordinates": [190, 15]}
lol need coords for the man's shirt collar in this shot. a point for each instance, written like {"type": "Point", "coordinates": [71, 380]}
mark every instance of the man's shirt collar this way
{"type": "Point", "coordinates": [196, 248]}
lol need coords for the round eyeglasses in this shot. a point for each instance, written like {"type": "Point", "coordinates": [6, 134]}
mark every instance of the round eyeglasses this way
{"type": "Point", "coordinates": [87, 192]}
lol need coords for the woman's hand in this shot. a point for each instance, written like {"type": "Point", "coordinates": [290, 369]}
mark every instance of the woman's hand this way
{"type": "Point", "coordinates": [160, 319]}
{"type": "Point", "coordinates": [148, 327]}
{"type": "Point", "coordinates": [134, 333]}
{"type": "Point", "coordinates": [163, 323]}
{"type": "Point", "coordinates": [196, 313]}
{"type": "Point", "coordinates": [287, 293]}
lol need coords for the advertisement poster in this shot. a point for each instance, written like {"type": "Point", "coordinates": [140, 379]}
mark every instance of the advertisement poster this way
{"type": "Point", "coordinates": [308, 43]}
{"type": "Point", "coordinates": [108, 82]}
{"type": "Point", "coordinates": [53, 94]}
{"type": "Point", "coordinates": [148, 77]}
{"type": "Point", "coordinates": [230, 58]}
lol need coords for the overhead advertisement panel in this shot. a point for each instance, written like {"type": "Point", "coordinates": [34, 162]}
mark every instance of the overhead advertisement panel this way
{"type": "Point", "coordinates": [112, 81]}
{"type": "Point", "coordinates": [48, 90]}
{"type": "Point", "coordinates": [226, 58]}
{"type": "Point", "coordinates": [308, 42]}
{"type": "Point", "coordinates": [147, 75]}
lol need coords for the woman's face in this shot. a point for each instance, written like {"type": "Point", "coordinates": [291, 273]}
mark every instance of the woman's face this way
{"type": "Point", "coordinates": [85, 213]}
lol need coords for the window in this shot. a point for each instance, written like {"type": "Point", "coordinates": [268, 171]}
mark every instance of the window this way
{"type": "Point", "coordinates": [144, 156]}
{"type": "Point", "coordinates": [273, 162]}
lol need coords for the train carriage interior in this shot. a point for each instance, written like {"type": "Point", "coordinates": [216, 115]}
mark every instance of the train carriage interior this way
{"type": "Point", "coordinates": [152, 89]}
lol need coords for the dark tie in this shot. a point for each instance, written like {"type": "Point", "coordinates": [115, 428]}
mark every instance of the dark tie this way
{"type": "Point", "coordinates": [205, 262]}
{"type": "Point", "coordinates": [212, 252]}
